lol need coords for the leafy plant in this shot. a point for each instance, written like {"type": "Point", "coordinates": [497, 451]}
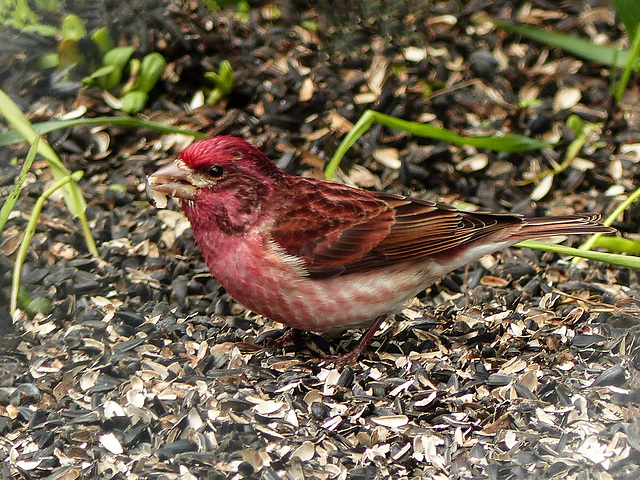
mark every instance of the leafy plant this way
{"type": "Point", "coordinates": [63, 180]}
{"type": "Point", "coordinates": [30, 230]}
{"type": "Point", "coordinates": [114, 63]}
{"type": "Point", "coordinates": [241, 7]}
{"type": "Point", "coordinates": [223, 82]}
{"type": "Point", "coordinates": [18, 15]}
{"type": "Point", "coordinates": [109, 75]}
{"type": "Point", "coordinates": [144, 76]}
{"type": "Point", "coordinates": [72, 194]}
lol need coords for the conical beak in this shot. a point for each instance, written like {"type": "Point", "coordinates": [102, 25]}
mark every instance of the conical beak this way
{"type": "Point", "coordinates": [174, 180]}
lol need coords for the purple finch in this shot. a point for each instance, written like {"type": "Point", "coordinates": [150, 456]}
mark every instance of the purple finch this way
{"type": "Point", "coordinates": [321, 256]}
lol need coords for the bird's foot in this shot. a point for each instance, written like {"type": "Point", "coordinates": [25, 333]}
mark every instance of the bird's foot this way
{"type": "Point", "coordinates": [353, 356]}
{"type": "Point", "coordinates": [289, 335]}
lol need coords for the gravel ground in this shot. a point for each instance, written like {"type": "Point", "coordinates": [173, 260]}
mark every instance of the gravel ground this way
{"type": "Point", "coordinates": [521, 365]}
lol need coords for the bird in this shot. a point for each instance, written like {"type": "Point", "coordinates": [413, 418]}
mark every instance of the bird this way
{"type": "Point", "coordinates": [322, 256]}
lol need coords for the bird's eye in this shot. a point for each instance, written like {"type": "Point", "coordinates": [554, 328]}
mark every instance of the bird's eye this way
{"type": "Point", "coordinates": [216, 171]}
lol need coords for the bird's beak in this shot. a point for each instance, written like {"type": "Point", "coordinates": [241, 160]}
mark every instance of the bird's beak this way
{"type": "Point", "coordinates": [174, 179]}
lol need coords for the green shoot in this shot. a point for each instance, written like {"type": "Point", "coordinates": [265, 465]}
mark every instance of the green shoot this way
{"type": "Point", "coordinates": [591, 242]}
{"type": "Point", "coordinates": [30, 230]}
{"type": "Point", "coordinates": [17, 187]}
{"type": "Point", "coordinates": [223, 82]}
{"type": "Point", "coordinates": [498, 143]}
{"type": "Point", "coordinates": [14, 136]}
{"type": "Point", "coordinates": [72, 194]}
{"type": "Point", "coordinates": [611, 258]}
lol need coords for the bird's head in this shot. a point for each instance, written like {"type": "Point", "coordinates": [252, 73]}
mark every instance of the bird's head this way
{"type": "Point", "coordinates": [222, 179]}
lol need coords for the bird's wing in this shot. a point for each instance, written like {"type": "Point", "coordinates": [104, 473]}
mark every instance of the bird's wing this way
{"type": "Point", "coordinates": [340, 226]}
{"type": "Point", "coordinates": [347, 230]}
{"type": "Point", "coordinates": [423, 229]}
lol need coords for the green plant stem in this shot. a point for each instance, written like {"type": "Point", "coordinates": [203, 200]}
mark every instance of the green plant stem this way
{"type": "Point", "coordinates": [30, 230]}
{"type": "Point", "coordinates": [72, 195]}
{"type": "Point", "coordinates": [361, 126]}
{"type": "Point", "coordinates": [589, 244]}
{"type": "Point", "coordinates": [611, 258]}
{"type": "Point", "coordinates": [619, 244]}
{"type": "Point", "coordinates": [604, 54]}
{"type": "Point", "coordinates": [13, 136]}
{"type": "Point", "coordinates": [629, 66]}
{"type": "Point", "coordinates": [572, 152]}
{"type": "Point", "coordinates": [19, 183]}
{"type": "Point", "coordinates": [502, 143]}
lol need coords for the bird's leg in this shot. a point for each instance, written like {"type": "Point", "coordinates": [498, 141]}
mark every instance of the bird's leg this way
{"type": "Point", "coordinates": [292, 335]}
{"type": "Point", "coordinates": [353, 355]}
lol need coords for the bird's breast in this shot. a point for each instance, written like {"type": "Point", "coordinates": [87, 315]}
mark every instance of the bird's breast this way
{"type": "Point", "coordinates": [273, 284]}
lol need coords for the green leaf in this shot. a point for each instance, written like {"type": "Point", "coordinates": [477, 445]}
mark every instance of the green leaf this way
{"type": "Point", "coordinates": [99, 73]}
{"type": "Point", "coordinates": [134, 102]}
{"type": "Point", "coordinates": [50, 5]}
{"type": "Point", "coordinates": [629, 13]}
{"type": "Point", "coordinates": [500, 143]}
{"type": "Point", "coordinates": [151, 69]}
{"type": "Point", "coordinates": [103, 41]}
{"type": "Point", "coordinates": [226, 79]}
{"type": "Point", "coordinates": [48, 60]}
{"type": "Point", "coordinates": [39, 305]}
{"type": "Point", "coordinates": [13, 136]}
{"type": "Point", "coordinates": [223, 81]}
{"type": "Point", "coordinates": [73, 28]}
{"type": "Point", "coordinates": [611, 258]}
{"type": "Point", "coordinates": [619, 244]}
{"type": "Point", "coordinates": [117, 59]}
{"type": "Point", "coordinates": [72, 195]}
{"type": "Point", "coordinates": [585, 49]}
{"type": "Point", "coordinates": [42, 30]}
{"type": "Point", "coordinates": [21, 15]}
{"type": "Point", "coordinates": [18, 184]}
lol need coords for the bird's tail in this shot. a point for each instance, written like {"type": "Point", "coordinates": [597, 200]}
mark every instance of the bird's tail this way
{"type": "Point", "coordinates": [562, 225]}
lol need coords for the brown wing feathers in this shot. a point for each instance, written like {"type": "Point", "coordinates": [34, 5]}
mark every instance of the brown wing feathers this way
{"type": "Point", "coordinates": [390, 229]}
{"type": "Point", "coordinates": [562, 225]}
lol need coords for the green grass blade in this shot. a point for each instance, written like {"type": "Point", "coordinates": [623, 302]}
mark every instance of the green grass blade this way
{"type": "Point", "coordinates": [22, 125]}
{"type": "Point", "coordinates": [629, 13]}
{"type": "Point", "coordinates": [619, 244]}
{"type": "Point", "coordinates": [628, 68]}
{"type": "Point", "coordinates": [14, 136]}
{"type": "Point", "coordinates": [17, 187]}
{"type": "Point", "coordinates": [500, 143]}
{"type": "Point", "coordinates": [361, 126]}
{"type": "Point", "coordinates": [28, 235]}
{"type": "Point", "coordinates": [72, 195]}
{"type": "Point", "coordinates": [590, 243]}
{"type": "Point", "coordinates": [611, 258]}
{"type": "Point", "coordinates": [585, 49]}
